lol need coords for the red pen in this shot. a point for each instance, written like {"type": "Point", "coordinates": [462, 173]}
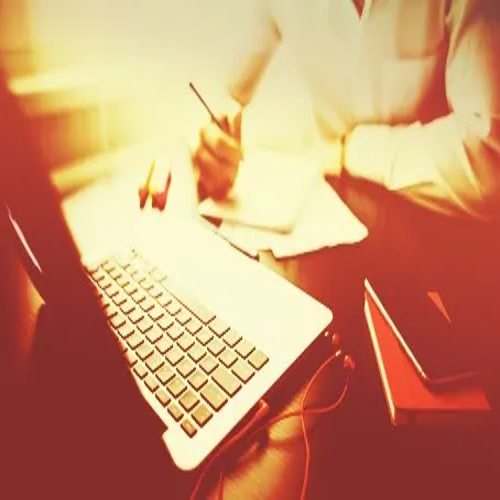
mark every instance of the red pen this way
{"type": "Point", "coordinates": [159, 199]}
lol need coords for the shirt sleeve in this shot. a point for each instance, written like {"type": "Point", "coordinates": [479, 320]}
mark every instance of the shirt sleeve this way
{"type": "Point", "coordinates": [257, 44]}
{"type": "Point", "coordinates": [451, 164]}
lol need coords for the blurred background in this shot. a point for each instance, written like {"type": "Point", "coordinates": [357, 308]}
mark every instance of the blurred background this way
{"type": "Point", "coordinates": [101, 75]}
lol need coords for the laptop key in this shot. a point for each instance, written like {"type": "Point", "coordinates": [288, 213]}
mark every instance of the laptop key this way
{"type": "Point", "coordinates": [120, 298]}
{"type": "Point", "coordinates": [201, 415]}
{"type": "Point", "coordinates": [125, 330]}
{"type": "Point", "coordinates": [226, 381]}
{"type": "Point", "coordinates": [196, 353]}
{"type": "Point", "coordinates": [162, 396]}
{"type": "Point", "coordinates": [213, 396]}
{"type": "Point", "coordinates": [108, 265]}
{"type": "Point", "coordinates": [135, 316]}
{"type": "Point", "coordinates": [165, 322]}
{"type": "Point", "coordinates": [112, 290]}
{"type": "Point", "coordinates": [122, 280]}
{"type": "Point", "coordinates": [188, 427]}
{"type": "Point", "coordinates": [138, 296]}
{"type": "Point", "coordinates": [218, 327]}
{"type": "Point", "coordinates": [105, 282]}
{"type": "Point", "coordinates": [232, 337]}
{"type": "Point", "coordinates": [147, 304]}
{"type": "Point", "coordinates": [96, 273]}
{"type": "Point", "coordinates": [135, 340]}
{"type": "Point", "coordinates": [147, 283]}
{"type": "Point", "coordinates": [144, 324]}
{"type": "Point", "coordinates": [131, 358]}
{"type": "Point", "coordinates": [165, 374]}
{"type": "Point", "coordinates": [258, 359]}
{"type": "Point", "coordinates": [193, 326]}
{"type": "Point", "coordinates": [110, 310]}
{"type": "Point", "coordinates": [243, 371]}
{"type": "Point", "coordinates": [197, 380]}
{"type": "Point", "coordinates": [228, 358]}
{"type": "Point", "coordinates": [186, 367]}
{"type": "Point", "coordinates": [185, 342]}
{"type": "Point", "coordinates": [163, 345]}
{"type": "Point", "coordinates": [156, 312]}
{"type": "Point", "coordinates": [175, 331]}
{"type": "Point", "coordinates": [155, 291]}
{"type": "Point", "coordinates": [175, 412]}
{"type": "Point", "coordinates": [215, 346]}
{"type": "Point", "coordinates": [151, 383]}
{"type": "Point", "coordinates": [127, 307]}
{"type": "Point", "coordinates": [174, 355]}
{"type": "Point", "coordinates": [244, 348]}
{"type": "Point", "coordinates": [117, 320]}
{"type": "Point", "coordinates": [144, 351]}
{"type": "Point", "coordinates": [173, 307]}
{"type": "Point", "coordinates": [183, 316]}
{"type": "Point", "coordinates": [130, 288]}
{"type": "Point", "coordinates": [176, 387]}
{"type": "Point", "coordinates": [164, 299]}
{"type": "Point", "coordinates": [154, 334]}
{"type": "Point", "coordinates": [154, 362]}
{"type": "Point", "coordinates": [140, 370]}
{"type": "Point", "coordinates": [208, 364]}
{"type": "Point", "coordinates": [189, 400]}
{"type": "Point", "coordinates": [115, 273]}
{"type": "Point", "coordinates": [204, 337]}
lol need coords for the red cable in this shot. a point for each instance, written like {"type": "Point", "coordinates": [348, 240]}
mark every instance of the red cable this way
{"type": "Point", "coordinates": [263, 410]}
{"type": "Point", "coordinates": [259, 415]}
{"type": "Point", "coordinates": [303, 421]}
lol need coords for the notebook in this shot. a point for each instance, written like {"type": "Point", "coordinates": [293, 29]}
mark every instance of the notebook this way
{"type": "Point", "coordinates": [270, 191]}
{"type": "Point", "coordinates": [408, 399]}
{"type": "Point", "coordinates": [205, 330]}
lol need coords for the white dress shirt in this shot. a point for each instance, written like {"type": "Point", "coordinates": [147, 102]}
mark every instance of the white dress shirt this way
{"type": "Point", "coordinates": [415, 83]}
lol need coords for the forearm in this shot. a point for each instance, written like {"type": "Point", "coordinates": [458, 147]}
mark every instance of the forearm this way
{"type": "Point", "coordinates": [440, 165]}
{"type": "Point", "coordinates": [256, 47]}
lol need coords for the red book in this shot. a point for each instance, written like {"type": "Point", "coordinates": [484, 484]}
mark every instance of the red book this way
{"type": "Point", "coordinates": [408, 398]}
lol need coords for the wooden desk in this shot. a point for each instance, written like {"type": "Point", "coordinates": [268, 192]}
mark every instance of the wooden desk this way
{"type": "Point", "coordinates": [354, 452]}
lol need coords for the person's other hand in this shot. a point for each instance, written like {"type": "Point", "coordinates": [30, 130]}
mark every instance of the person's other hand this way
{"type": "Point", "coordinates": [218, 154]}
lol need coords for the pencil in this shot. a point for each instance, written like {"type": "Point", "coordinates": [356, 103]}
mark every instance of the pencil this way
{"type": "Point", "coordinates": [206, 106]}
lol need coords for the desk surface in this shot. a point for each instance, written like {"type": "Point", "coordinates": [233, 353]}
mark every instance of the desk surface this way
{"type": "Point", "coordinates": [354, 451]}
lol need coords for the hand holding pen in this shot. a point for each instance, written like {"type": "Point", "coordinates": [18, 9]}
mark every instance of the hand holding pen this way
{"type": "Point", "coordinates": [219, 152]}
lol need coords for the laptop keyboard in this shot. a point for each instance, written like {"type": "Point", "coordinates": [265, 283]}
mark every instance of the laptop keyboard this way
{"type": "Point", "coordinates": [189, 358]}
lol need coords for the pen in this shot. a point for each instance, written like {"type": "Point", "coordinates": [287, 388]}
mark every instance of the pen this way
{"type": "Point", "coordinates": [207, 107]}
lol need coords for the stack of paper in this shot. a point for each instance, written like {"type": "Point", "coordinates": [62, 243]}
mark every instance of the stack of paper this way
{"type": "Point", "coordinates": [281, 203]}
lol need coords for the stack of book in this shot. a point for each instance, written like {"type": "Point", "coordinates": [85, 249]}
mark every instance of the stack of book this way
{"type": "Point", "coordinates": [409, 399]}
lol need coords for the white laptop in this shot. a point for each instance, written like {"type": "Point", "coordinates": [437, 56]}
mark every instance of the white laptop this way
{"type": "Point", "coordinates": [206, 331]}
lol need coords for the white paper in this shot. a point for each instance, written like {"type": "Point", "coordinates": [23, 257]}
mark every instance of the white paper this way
{"type": "Point", "coordinates": [324, 222]}
{"type": "Point", "coordinates": [269, 193]}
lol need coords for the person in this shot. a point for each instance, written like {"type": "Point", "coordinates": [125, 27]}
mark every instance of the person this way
{"type": "Point", "coordinates": [406, 94]}
{"type": "Point", "coordinates": [72, 421]}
